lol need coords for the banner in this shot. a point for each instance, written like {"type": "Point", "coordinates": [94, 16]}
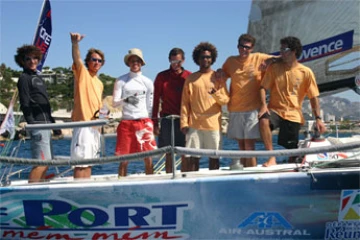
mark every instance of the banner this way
{"type": "Point", "coordinates": [42, 37]}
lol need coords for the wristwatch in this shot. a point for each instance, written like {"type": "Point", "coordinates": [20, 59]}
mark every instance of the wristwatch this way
{"type": "Point", "coordinates": [318, 117]}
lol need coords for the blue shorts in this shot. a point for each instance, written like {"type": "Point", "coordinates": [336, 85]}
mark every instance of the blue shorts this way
{"type": "Point", "coordinates": [41, 147]}
{"type": "Point", "coordinates": [165, 133]}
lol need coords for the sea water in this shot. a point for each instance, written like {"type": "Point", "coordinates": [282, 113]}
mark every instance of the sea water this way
{"type": "Point", "coordinates": [62, 148]}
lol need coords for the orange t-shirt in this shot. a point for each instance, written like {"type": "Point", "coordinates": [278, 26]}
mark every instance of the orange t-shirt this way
{"type": "Point", "coordinates": [245, 81]}
{"type": "Point", "coordinates": [87, 94]}
{"type": "Point", "coordinates": [288, 88]}
{"type": "Point", "coordinates": [199, 109]}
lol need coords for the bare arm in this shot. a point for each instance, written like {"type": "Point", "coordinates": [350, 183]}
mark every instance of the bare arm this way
{"type": "Point", "coordinates": [315, 105]}
{"type": "Point", "coordinates": [263, 108]}
{"type": "Point", "coordinates": [75, 39]}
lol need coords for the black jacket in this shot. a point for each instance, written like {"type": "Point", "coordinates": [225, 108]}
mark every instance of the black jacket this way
{"type": "Point", "coordinates": [34, 99]}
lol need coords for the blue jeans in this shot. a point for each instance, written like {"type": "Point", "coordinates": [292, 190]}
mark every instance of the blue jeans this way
{"type": "Point", "coordinates": [41, 147]}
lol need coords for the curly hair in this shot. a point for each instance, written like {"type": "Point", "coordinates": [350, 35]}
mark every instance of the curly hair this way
{"type": "Point", "coordinates": [294, 44]}
{"type": "Point", "coordinates": [90, 52]}
{"type": "Point", "coordinates": [27, 50]}
{"type": "Point", "coordinates": [247, 38]}
{"type": "Point", "coordinates": [204, 46]}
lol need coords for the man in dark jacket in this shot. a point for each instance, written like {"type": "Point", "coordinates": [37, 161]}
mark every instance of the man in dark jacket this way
{"type": "Point", "coordinates": [35, 106]}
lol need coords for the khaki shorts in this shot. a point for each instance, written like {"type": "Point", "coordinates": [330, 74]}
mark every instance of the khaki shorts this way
{"type": "Point", "coordinates": [85, 144]}
{"type": "Point", "coordinates": [203, 139]}
{"type": "Point", "coordinates": [243, 125]}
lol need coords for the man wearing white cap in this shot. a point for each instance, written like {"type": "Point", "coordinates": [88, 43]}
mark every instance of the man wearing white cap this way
{"type": "Point", "coordinates": [134, 92]}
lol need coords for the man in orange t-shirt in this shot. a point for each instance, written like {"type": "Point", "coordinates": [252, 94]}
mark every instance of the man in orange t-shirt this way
{"type": "Point", "coordinates": [288, 82]}
{"type": "Point", "coordinates": [87, 101]}
{"type": "Point", "coordinates": [201, 107]}
{"type": "Point", "coordinates": [245, 71]}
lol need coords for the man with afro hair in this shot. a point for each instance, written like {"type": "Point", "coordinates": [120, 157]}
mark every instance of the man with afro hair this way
{"type": "Point", "coordinates": [202, 100]}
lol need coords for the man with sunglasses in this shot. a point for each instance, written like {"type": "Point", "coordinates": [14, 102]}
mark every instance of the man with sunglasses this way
{"type": "Point", "coordinates": [245, 71]}
{"type": "Point", "coordinates": [288, 82]}
{"type": "Point", "coordinates": [201, 106]}
{"type": "Point", "coordinates": [134, 93]}
{"type": "Point", "coordinates": [35, 105]}
{"type": "Point", "coordinates": [168, 88]}
{"type": "Point", "coordinates": [88, 91]}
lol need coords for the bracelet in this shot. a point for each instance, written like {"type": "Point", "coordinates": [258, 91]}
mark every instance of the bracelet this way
{"type": "Point", "coordinates": [317, 117]}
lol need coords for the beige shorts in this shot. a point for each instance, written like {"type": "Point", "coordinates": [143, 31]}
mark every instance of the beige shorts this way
{"type": "Point", "coordinates": [85, 144]}
{"type": "Point", "coordinates": [203, 139]}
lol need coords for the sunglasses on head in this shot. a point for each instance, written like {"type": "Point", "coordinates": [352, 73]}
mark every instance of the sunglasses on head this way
{"type": "Point", "coordinates": [244, 47]}
{"type": "Point", "coordinates": [96, 60]}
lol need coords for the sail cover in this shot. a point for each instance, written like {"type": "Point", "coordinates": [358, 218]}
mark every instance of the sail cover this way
{"type": "Point", "coordinates": [328, 30]}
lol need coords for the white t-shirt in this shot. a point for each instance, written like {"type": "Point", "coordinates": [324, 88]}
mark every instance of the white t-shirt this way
{"type": "Point", "coordinates": [134, 84]}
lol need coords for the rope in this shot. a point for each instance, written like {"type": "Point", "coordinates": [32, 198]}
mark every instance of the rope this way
{"type": "Point", "coordinates": [265, 153]}
{"type": "Point", "coordinates": [72, 162]}
{"type": "Point", "coordinates": [182, 151]}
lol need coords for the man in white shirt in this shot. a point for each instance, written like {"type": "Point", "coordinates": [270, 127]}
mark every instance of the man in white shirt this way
{"type": "Point", "coordinates": [134, 92]}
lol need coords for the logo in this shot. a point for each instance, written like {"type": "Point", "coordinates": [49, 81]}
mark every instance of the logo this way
{"type": "Point", "coordinates": [326, 47]}
{"type": "Point", "coordinates": [65, 219]}
{"type": "Point", "coordinates": [265, 220]}
{"type": "Point", "coordinates": [265, 224]}
{"type": "Point", "coordinates": [348, 224]}
{"type": "Point", "coordinates": [350, 206]}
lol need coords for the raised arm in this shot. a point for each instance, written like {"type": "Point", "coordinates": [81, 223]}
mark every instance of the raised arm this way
{"type": "Point", "coordinates": [75, 39]}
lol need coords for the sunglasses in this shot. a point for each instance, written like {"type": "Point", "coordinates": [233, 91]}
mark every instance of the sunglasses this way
{"type": "Point", "coordinates": [135, 61]}
{"type": "Point", "coordinates": [175, 61]}
{"type": "Point", "coordinates": [30, 58]}
{"type": "Point", "coordinates": [205, 57]}
{"type": "Point", "coordinates": [285, 49]}
{"type": "Point", "coordinates": [244, 47]}
{"type": "Point", "coordinates": [96, 60]}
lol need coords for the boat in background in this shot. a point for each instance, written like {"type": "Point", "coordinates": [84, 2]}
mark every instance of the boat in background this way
{"type": "Point", "coordinates": [329, 32]}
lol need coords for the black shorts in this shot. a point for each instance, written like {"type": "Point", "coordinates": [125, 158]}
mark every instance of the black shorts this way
{"type": "Point", "coordinates": [165, 133]}
{"type": "Point", "coordinates": [288, 134]}
{"type": "Point", "coordinates": [288, 131]}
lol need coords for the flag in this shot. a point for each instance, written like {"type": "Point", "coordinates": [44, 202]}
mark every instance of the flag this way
{"type": "Point", "coordinates": [9, 121]}
{"type": "Point", "coordinates": [42, 37]}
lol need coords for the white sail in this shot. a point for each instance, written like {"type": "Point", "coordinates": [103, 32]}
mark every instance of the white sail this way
{"type": "Point", "coordinates": [328, 30]}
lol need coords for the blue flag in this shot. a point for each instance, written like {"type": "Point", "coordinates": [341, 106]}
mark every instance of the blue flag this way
{"type": "Point", "coordinates": [43, 32]}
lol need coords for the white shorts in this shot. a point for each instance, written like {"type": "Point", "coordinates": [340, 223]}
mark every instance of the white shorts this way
{"type": "Point", "coordinates": [243, 125]}
{"type": "Point", "coordinates": [203, 139]}
{"type": "Point", "coordinates": [85, 144]}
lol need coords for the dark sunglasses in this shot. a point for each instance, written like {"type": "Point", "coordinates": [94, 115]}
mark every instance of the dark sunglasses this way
{"type": "Point", "coordinates": [205, 57]}
{"type": "Point", "coordinates": [30, 58]}
{"type": "Point", "coordinates": [244, 47]}
{"type": "Point", "coordinates": [135, 61]}
{"type": "Point", "coordinates": [96, 60]}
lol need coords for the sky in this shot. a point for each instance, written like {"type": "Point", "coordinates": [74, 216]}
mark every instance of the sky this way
{"type": "Point", "coordinates": [115, 26]}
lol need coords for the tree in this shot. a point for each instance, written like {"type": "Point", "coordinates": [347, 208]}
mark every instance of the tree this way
{"type": "Point", "coordinates": [8, 86]}
{"type": "Point", "coordinates": [108, 82]}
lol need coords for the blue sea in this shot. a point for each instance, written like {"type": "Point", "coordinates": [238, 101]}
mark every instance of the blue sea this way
{"type": "Point", "coordinates": [62, 148]}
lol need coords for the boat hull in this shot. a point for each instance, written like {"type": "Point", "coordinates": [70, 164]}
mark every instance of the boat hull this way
{"type": "Point", "coordinates": [205, 205]}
